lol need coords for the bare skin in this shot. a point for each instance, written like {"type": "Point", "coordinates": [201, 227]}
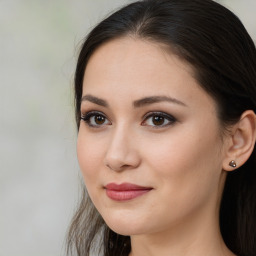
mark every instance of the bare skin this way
{"type": "Point", "coordinates": [146, 121]}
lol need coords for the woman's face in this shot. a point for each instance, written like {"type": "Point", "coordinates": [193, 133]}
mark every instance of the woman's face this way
{"type": "Point", "coordinates": [149, 143]}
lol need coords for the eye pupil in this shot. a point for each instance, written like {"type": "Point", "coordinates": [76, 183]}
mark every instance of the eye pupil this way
{"type": "Point", "coordinates": [99, 119]}
{"type": "Point", "coordinates": [158, 120]}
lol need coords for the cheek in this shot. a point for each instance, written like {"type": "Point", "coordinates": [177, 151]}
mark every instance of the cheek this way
{"type": "Point", "coordinates": [89, 154]}
{"type": "Point", "coordinates": [187, 165]}
{"type": "Point", "coordinates": [183, 148]}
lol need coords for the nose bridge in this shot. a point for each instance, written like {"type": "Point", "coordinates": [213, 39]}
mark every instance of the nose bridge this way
{"type": "Point", "coordinates": [121, 151]}
{"type": "Point", "coordinates": [120, 135]}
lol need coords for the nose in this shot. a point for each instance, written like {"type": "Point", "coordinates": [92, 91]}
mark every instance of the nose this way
{"type": "Point", "coordinates": [122, 152]}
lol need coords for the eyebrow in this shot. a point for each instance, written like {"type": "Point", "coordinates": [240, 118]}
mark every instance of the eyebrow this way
{"type": "Point", "coordinates": [156, 99]}
{"type": "Point", "coordinates": [95, 100]}
{"type": "Point", "coordinates": [137, 103]}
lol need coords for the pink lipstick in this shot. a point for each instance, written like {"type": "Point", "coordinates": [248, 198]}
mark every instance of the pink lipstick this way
{"type": "Point", "coordinates": [125, 191]}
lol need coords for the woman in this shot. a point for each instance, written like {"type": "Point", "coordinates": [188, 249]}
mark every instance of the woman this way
{"type": "Point", "coordinates": [165, 107]}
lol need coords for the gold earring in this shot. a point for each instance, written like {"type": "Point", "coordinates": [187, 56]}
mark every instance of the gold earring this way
{"type": "Point", "coordinates": [232, 163]}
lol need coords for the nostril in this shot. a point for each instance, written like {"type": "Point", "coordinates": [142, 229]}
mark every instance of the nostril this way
{"type": "Point", "coordinates": [117, 167]}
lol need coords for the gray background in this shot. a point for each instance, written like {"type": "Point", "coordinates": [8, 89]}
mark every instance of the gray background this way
{"type": "Point", "coordinates": [39, 174]}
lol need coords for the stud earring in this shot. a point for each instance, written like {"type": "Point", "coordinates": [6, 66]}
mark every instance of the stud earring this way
{"type": "Point", "coordinates": [232, 163]}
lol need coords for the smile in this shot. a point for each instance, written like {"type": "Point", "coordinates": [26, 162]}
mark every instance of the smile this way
{"type": "Point", "coordinates": [125, 191]}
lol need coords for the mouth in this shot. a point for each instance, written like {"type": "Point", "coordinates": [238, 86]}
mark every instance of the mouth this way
{"type": "Point", "coordinates": [125, 191]}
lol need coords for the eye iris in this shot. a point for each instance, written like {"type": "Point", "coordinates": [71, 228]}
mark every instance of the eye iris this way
{"type": "Point", "coordinates": [158, 120]}
{"type": "Point", "coordinates": [99, 119]}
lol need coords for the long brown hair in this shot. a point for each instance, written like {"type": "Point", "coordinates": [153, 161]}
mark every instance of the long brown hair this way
{"type": "Point", "coordinates": [213, 40]}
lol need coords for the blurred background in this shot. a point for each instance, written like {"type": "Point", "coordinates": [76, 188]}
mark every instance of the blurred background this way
{"type": "Point", "coordinates": [39, 173]}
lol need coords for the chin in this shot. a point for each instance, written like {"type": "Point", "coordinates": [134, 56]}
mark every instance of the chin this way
{"type": "Point", "coordinates": [125, 227]}
{"type": "Point", "coordinates": [125, 231]}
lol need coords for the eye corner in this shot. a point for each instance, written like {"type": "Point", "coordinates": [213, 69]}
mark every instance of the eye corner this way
{"type": "Point", "coordinates": [90, 119]}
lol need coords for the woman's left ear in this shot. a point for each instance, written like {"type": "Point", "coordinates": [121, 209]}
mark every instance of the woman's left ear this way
{"type": "Point", "coordinates": [241, 141]}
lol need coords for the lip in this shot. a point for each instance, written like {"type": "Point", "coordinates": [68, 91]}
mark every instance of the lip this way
{"type": "Point", "coordinates": [125, 191]}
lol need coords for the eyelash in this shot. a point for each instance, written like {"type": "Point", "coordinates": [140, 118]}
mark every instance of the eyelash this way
{"type": "Point", "coordinates": [168, 119]}
{"type": "Point", "coordinates": [87, 118]}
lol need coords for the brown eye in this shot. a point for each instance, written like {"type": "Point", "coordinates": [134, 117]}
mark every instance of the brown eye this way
{"type": "Point", "coordinates": [99, 119]}
{"type": "Point", "coordinates": [158, 120]}
{"type": "Point", "coordinates": [95, 119]}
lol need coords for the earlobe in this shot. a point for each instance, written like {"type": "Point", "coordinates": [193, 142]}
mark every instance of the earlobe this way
{"type": "Point", "coordinates": [242, 141]}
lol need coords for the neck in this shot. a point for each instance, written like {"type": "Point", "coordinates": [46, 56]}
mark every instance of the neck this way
{"type": "Point", "coordinates": [197, 238]}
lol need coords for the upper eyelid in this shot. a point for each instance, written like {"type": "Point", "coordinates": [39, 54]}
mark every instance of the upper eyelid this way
{"type": "Point", "coordinates": [160, 113]}
{"type": "Point", "coordinates": [86, 113]}
{"type": "Point", "coordinates": [92, 113]}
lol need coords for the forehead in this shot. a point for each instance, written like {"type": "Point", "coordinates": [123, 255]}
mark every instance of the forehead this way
{"type": "Point", "coordinates": [138, 68]}
{"type": "Point", "coordinates": [134, 52]}
{"type": "Point", "coordinates": [127, 57]}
